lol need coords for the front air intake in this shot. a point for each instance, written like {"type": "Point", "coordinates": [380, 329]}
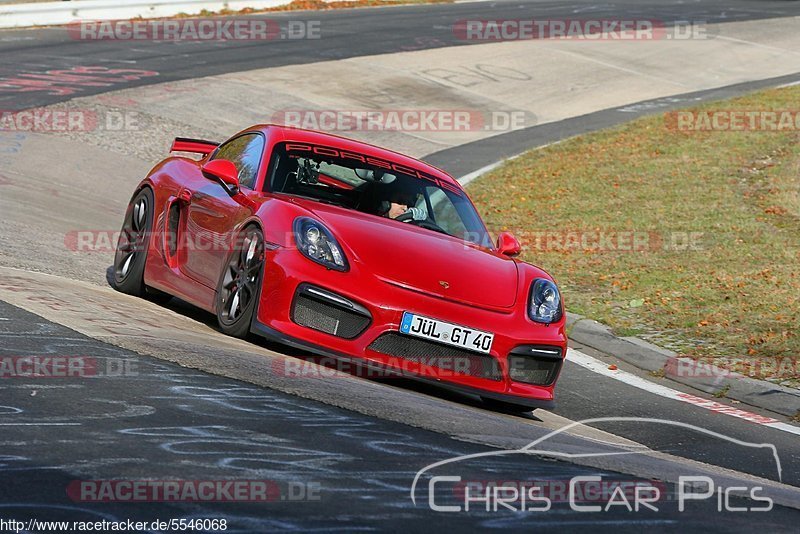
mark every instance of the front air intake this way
{"type": "Point", "coordinates": [328, 312]}
{"type": "Point", "coordinates": [536, 365]}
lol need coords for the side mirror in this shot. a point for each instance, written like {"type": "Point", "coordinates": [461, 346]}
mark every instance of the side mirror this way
{"type": "Point", "coordinates": [224, 172]}
{"type": "Point", "coordinates": [507, 244]}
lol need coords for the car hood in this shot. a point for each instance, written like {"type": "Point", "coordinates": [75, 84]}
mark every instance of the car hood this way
{"type": "Point", "coordinates": [421, 260]}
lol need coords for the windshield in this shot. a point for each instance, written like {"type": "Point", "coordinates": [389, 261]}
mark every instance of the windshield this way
{"type": "Point", "coordinates": [377, 187]}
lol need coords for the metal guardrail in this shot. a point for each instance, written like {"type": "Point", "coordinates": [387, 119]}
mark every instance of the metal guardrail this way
{"type": "Point", "coordinates": [29, 1]}
{"type": "Point", "coordinates": [55, 13]}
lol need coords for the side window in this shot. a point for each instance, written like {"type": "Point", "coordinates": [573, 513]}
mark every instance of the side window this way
{"type": "Point", "coordinates": [445, 213]}
{"type": "Point", "coordinates": [245, 153]}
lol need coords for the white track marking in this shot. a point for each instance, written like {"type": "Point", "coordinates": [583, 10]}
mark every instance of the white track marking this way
{"type": "Point", "coordinates": [467, 178]}
{"type": "Point", "coordinates": [596, 366]}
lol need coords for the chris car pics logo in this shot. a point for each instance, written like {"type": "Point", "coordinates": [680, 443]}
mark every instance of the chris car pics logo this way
{"type": "Point", "coordinates": [449, 491]}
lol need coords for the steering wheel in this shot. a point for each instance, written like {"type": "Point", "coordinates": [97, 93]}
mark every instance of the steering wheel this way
{"type": "Point", "coordinates": [425, 223]}
{"type": "Point", "coordinates": [429, 225]}
{"type": "Point", "coordinates": [405, 217]}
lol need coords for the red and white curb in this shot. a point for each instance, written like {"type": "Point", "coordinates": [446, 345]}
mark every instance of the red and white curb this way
{"type": "Point", "coordinates": [596, 366]}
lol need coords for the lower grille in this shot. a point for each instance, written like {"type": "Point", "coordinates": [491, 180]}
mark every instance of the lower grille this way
{"type": "Point", "coordinates": [450, 359]}
{"type": "Point", "coordinates": [313, 312]}
{"type": "Point", "coordinates": [534, 365]}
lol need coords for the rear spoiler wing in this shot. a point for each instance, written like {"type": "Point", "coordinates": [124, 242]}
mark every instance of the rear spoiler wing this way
{"type": "Point", "coordinates": [195, 146]}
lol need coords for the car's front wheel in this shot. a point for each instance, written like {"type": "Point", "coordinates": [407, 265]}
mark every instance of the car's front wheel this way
{"type": "Point", "coordinates": [239, 285]}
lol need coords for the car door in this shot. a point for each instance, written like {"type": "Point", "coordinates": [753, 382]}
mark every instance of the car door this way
{"type": "Point", "coordinates": [213, 215]}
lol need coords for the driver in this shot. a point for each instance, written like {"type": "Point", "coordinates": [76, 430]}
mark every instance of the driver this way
{"type": "Point", "coordinates": [403, 202]}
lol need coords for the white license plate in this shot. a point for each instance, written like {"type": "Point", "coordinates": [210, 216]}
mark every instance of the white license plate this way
{"type": "Point", "coordinates": [444, 332]}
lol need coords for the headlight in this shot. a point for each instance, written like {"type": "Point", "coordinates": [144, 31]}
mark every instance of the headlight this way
{"type": "Point", "coordinates": [545, 302]}
{"type": "Point", "coordinates": [318, 244]}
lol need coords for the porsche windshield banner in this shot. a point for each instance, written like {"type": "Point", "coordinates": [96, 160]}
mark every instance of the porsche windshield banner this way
{"type": "Point", "coordinates": [329, 152]}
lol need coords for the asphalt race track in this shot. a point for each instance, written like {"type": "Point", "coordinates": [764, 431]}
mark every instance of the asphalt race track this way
{"type": "Point", "coordinates": [340, 453]}
{"type": "Point", "coordinates": [345, 34]}
{"type": "Point", "coordinates": [172, 423]}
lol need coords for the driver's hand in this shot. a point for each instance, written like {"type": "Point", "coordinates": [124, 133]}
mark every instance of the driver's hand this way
{"type": "Point", "coordinates": [418, 214]}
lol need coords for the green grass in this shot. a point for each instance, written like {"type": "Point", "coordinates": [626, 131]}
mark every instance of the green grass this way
{"type": "Point", "coordinates": [735, 294]}
{"type": "Point", "coordinates": [722, 393]}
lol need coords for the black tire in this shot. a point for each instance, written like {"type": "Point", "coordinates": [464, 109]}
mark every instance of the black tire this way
{"type": "Point", "coordinates": [506, 407]}
{"type": "Point", "coordinates": [131, 254]}
{"type": "Point", "coordinates": [239, 284]}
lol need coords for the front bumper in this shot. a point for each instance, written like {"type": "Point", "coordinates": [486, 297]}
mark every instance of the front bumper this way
{"type": "Point", "coordinates": [356, 316]}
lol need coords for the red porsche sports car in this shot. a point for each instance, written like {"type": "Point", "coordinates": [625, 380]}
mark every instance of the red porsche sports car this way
{"type": "Point", "coordinates": [346, 250]}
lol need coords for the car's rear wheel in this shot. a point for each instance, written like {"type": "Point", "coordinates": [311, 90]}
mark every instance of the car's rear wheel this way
{"type": "Point", "coordinates": [507, 407]}
{"type": "Point", "coordinates": [131, 253]}
{"type": "Point", "coordinates": [239, 285]}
